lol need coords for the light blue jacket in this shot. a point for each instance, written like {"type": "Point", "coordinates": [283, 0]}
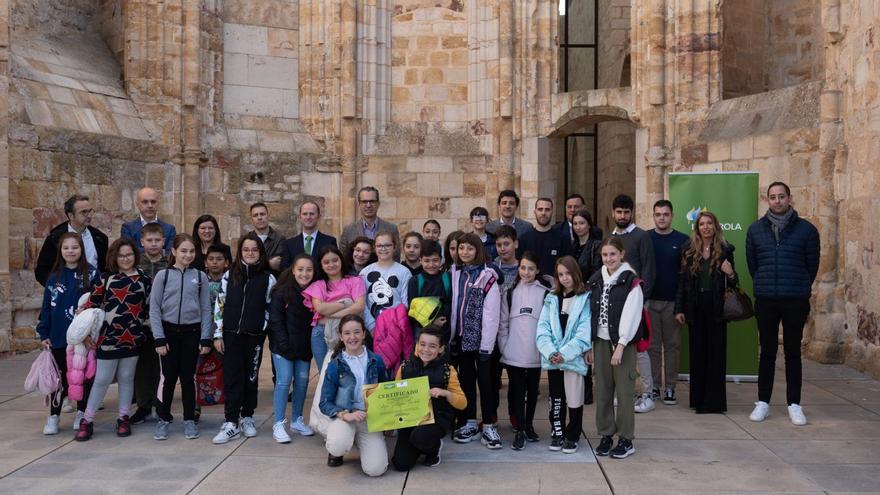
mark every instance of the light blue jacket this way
{"type": "Point", "coordinates": [577, 338]}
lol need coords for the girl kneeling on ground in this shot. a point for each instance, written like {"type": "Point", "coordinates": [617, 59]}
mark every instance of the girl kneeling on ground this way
{"type": "Point", "coordinates": [429, 359]}
{"type": "Point", "coordinates": [616, 303]}
{"type": "Point", "coordinates": [351, 367]}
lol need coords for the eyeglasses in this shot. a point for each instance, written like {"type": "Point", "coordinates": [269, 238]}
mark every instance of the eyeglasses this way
{"type": "Point", "coordinates": [384, 246]}
{"type": "Point", "coordinates": [87, 213]}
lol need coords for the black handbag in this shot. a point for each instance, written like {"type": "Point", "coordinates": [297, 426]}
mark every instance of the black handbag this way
{"type": "Point", "coordinates": [737, 304]}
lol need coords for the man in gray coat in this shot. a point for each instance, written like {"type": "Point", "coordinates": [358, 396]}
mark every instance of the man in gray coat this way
{"type": "Point", "coordinates": [369, 224]}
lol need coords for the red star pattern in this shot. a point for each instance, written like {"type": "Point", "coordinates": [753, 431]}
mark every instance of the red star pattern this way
{"type": "Point", "coordinates": [121, 293]}
{"type": "Point", "coordinates": [135, 309]}
{"type": "Point", "coordinates": [126, 339]}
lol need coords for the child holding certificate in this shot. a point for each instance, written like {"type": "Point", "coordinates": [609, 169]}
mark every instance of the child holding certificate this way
{"type": "Point", "coordinates": [429, 359]}
{"type": "Point", "coordinates": [351, 367]}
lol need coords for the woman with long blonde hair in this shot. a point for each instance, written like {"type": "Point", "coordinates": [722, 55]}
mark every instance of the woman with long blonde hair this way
{"type": "Point", "coordinates": [706, 269]}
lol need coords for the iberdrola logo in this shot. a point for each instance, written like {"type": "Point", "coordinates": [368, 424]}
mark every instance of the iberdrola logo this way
{"type": "Point", "coordinates": [694, 213]}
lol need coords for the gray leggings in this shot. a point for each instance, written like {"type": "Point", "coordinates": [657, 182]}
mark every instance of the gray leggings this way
{"type": "Point", "coordinates": [123, 370]}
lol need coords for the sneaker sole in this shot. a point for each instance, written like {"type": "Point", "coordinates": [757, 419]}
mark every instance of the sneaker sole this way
{"type": "Point", "coordinates": [569, 451]}
{"type": "Point", "coordinates": [757, 420]}
{"type": "Point", "coordinates": [554, 449]}
{"type": "Point", "coordinates": [624, 455]}
{"type": "Point", "coordinates": [233, 437]}
{"type": "Point", "coordinates": [670, 402]}
{"type": "Point", "coordinates": [192, 437]}
{"type": "Point", "coordinates": [490, 447]}
{"type": "Point", "coordinates": [282, 440]}
{"type": "Point", "coordinates": [464, 440]}
{"type": "Point", "coordinates": [601, 454]}
{"type": "Point", "coordinates": [514, 447]}
{"type": "Point", "coordinates": [303, 434]}
{"type": "Point", "coordinates": [249, 436]}
{"type": "Point", "coordinates": [159, 438]}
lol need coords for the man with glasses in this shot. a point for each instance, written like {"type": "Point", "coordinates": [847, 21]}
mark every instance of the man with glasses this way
{"type": "Point", "coordinates": [148, 206]}
{"type": "Point", "coordinates": [79, 218]}
{"type": "Point", "coordinates": [369, 223]}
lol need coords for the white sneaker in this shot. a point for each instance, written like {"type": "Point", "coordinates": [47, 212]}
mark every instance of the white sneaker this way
{"type": "Point", "coordinates": [76, 419]}
{"type": "Point", "coordinates": [644, 404]}
{"type": "Point", "coordinates": [760, 412]}
{"type": "Point", "coordinates": [248, 427]}
{"type": "Point", "coordinates": [796, 415]}
{"type": "Point", "coordinates": [227, 432]}
{"type": "Point", "coordinates": [279, 433]}
{"type": "Point", "coordinates": [51, 427]}
{"type": "Point", "coordinates": [299, 426]}
{"type": "Point", "coordinates": [66, 406]}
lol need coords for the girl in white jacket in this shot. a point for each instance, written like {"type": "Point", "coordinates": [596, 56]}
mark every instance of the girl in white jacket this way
{"type": "Point", "coordinates": [520, 308]}
{"type": "Point", "coordinates": [616, 299]}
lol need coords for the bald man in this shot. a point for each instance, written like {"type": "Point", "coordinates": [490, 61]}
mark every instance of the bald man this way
{"type": "Point", "coordinates": [148, 205]}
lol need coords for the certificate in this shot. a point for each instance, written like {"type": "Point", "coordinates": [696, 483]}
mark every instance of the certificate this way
{"type": "Point", "coordinates": [398, 404]}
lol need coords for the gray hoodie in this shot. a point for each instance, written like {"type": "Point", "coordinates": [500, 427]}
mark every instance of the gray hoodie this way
{"type": "Point", "coordinates": [181, 298]}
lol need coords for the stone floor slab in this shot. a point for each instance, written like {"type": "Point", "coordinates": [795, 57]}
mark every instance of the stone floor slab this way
{"type": "Point", "coordinates": [856, 478]}
{"type": "Point", "coordinates": [506, 479]}
{"type": "Point", "coordinates": [826, 451]}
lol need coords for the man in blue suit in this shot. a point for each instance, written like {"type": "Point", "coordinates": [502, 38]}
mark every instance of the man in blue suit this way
{"type": "Point", "coordinates": [148, 206]}
{"type": "Point", "coordinates": [311, 240]}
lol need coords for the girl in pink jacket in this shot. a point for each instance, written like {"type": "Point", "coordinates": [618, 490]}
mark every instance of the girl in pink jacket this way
{"type": "Point", "coordinates": [476, 309]}
{"type": "Point", "coordinates": [520, 308]}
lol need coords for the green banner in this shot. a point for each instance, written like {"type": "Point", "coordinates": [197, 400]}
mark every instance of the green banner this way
{"type": "Point", "coordinates": [733, 198]}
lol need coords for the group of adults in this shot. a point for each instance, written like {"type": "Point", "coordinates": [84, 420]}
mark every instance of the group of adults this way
{"type": "Point", "coordinates": [684, 276]}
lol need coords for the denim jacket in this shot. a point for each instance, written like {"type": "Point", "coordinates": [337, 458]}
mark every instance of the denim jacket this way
{"type": "Point", "coordinates": [338, 391]}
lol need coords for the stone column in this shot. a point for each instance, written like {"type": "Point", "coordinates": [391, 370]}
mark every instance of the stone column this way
{"type": "Point", "coordinates": [825, 334]}
{"type": "Point", "coordinates": [5, 305]}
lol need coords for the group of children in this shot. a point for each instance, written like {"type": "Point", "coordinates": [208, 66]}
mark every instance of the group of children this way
{"type": "Point", "coordinates": [452, 312]}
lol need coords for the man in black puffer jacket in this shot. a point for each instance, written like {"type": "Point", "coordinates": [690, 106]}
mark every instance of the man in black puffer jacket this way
{"type": "Point", "coordinates": [782, 250]}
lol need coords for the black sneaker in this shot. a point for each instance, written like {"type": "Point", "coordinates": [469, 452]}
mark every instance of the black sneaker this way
{"type": "Point", "coordinates": [605, 445]}
{"type": "Point", "coordinates": [519, 440]}
{"type": "Point", "coordinates": [623, 450]}
{"type": "Point", "coordinates": [556, 443]}
{"type": "Point", "coordinates": [434, 460]}
{"type": "Point", "coordinates": [334, 461]}
{"type": "Point", "coordinates": [669, 397]}
{"type": "Point", "coordinates": [569, 447]}
{"type": "Point", "coordinates": [140, 415]}
{"type": "Point", "coordinates": [531, 436]}
{"type": "Point", "coordinates": [655, 394]}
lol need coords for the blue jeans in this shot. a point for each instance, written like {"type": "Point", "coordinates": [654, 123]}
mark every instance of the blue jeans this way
{"type": "Point", "coordinates": [287, 371]}
{"type": "Point", "coordinates": [319, 345]}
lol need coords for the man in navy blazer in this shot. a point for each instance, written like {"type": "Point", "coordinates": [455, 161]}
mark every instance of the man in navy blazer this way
{"type": "Point", "coordinates": [148, 206]}
{"type": "Point", "coordinates": [311, 238]}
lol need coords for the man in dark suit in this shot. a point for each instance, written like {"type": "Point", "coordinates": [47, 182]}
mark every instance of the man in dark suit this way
{"type": "Point", "coordinates": [148, 206]}
{"type": "Point", "coordinates": [573, 203]}
{"type": "Point", "coordinates": [369, 224]}
{"type": "Point", "coordinates": [310, 241]}
{"type": "Point", "coordinates": [79, 218]}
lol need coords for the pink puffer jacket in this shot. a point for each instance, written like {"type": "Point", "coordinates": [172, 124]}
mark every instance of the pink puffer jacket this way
{"type": "Point", "coordinates": [392, 336]}
{"type": "Point", "coordinates": [82, 362]}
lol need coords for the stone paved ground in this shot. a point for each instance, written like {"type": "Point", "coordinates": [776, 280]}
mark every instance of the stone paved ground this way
{"type": "Point", "coordinates": [677, 452]}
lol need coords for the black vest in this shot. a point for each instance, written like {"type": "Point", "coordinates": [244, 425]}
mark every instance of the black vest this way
{"type": "Point", "coordinates": [616, 300]}
{"type": "Point", "coordinates": [437, 372]}
{"type": "Point", "coordinates": [245, 308]}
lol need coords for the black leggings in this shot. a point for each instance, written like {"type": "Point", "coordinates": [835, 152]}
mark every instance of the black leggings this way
{"type": "Point", "coordinates": [473, 372]}
{"type": "Point", "coordinates": [60, 356]}
{"type": "Point", "coordinates": [522, 394]}
{"type": "Point", "coordinates": [558, 407]}
{"type": "Point", "coordinates": [180, 362]}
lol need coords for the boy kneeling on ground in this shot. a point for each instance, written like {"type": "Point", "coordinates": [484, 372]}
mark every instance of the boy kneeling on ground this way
{"type": "Point", "coordinates": [429, 359]}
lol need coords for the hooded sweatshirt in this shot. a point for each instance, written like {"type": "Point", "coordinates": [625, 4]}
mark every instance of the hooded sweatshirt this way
{"type": "Point", "coordinates": [182, 298]}
{"type": "Point", "coordinates": [631, 316]}
{"type": "Point", "coordinates": [520, 310]}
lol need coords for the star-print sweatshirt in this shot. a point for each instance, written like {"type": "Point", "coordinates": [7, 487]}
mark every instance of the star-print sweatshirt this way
{"type": "Point", "coordinates": [125, 300]}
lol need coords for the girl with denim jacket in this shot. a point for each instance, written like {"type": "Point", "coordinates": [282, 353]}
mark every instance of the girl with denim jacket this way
{"type": "Point", "coordinates": [352, 366]}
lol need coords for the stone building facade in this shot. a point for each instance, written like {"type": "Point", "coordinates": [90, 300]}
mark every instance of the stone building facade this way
{"type": "Point", "coordinates": [441, 104]}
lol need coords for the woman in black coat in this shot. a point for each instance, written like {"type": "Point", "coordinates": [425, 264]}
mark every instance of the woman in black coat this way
{"type": "Point", "coordinates": [585, 247]}
{"type": "Point", "coordinates": [290, 332]}
{"type": "Point", "coordinates": [707, 268]}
